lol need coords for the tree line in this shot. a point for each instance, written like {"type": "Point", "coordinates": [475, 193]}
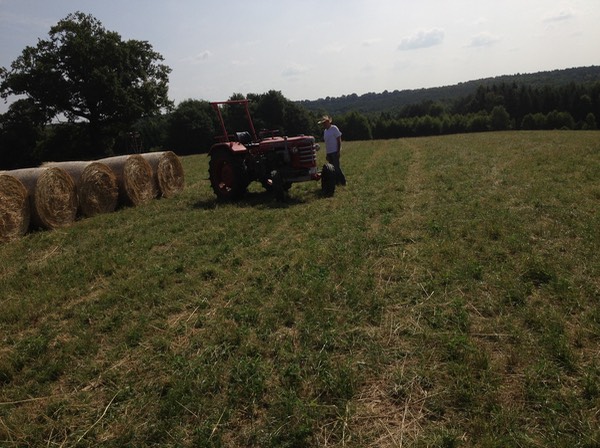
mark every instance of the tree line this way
{"type": "Point", "coordinates": [394, 101]}
{"type": "Point", "coordinates": [85, 93]}
{"type": "Point", "coordinates": [490, 108]}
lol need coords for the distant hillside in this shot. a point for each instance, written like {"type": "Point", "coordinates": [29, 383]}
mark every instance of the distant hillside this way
{"type": "Point", "coordinates": [390, 101]}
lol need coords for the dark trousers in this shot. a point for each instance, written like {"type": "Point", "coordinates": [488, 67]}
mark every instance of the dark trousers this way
{"type": "Point", "coordinates": [334, 159]}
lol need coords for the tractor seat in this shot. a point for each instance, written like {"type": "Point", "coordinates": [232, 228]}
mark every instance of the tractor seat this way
{"type": "Point", "coordinates": [243, 137]}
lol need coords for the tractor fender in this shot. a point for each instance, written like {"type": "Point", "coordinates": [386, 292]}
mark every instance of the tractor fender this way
{"type": "Point", "coordinates": [234, 147]}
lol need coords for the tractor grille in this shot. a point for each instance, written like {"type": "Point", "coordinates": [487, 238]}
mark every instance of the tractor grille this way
{"type": "Point", "coordinates": [307, 155]}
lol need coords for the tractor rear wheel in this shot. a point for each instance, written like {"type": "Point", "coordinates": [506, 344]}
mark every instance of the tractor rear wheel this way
{"type": "Point", "coordinates": [227, 175]}
{"type": "Point", "coordinates": [328, 180]}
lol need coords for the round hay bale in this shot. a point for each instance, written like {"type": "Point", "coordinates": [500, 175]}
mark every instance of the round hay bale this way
{"type": "Point", "coordinates": [97, 187]}
{"type": "Point", "coordinates": [134, 177]}
{"type": "Point", "coordinates": [52, 196]}
{"type": "Point", "coordinates": [15, 212]}
{"type": "Point", "coordinates": [98, 190]}
{"type": "Point", "coordinates": [167, 172]}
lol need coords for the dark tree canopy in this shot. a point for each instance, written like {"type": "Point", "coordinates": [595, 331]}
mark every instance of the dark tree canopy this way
{"type": "Point", "coordinates": [192, 127]}
{"type": "Point", "coordinates": [85, 73]}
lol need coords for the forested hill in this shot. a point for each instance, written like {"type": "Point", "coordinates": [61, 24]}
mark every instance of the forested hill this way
{"type": "Point", "coordinates": [394, 101]}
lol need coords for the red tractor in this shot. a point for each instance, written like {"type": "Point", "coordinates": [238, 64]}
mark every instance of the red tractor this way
{"type": "Point", "coordinates": [276, 162]}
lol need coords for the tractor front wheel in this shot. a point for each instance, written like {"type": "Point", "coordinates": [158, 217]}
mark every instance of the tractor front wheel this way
{"type": "Point", "coordinates": [227, 175]}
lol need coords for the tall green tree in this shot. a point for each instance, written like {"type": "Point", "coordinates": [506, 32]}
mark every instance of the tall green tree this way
{"type": "Point", "coordinates": [590, 122]}
{"type": "Point", "coordinates": [192, 127]}
{"type": "Point", "coordinates": [20, 130]}
{"type": "Point", "coordinates": [269, 111]}
{"type": "Point", "coordinates": [500, 119]}
{"type": "Point", "coordinates": [273, 111]}
{"type": "Point", "coordinates": [84, 72]}
{"type": "Point", "coordinates": [355, 126]}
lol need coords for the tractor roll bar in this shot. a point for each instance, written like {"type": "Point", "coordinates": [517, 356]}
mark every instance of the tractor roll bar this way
{"type": "Point", "coordinates": [215, 105]}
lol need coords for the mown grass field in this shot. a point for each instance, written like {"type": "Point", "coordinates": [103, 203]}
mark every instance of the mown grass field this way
{"type": "Point", "coordinates": [448, 296]}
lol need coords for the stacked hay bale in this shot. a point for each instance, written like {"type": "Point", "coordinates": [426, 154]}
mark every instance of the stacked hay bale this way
{"type": "Point", "coordinates": [51, 193]}
{"type": "Point", "coordinates": [15, 211]}
{"type": "Point", "coordinates": [51, 196]}
{"type": "Point", "coordinates": [167, 171]}
{"type": "Point", "coordinates": [134, 177]}
{"type": "Point", "coordinates": [97, 187]}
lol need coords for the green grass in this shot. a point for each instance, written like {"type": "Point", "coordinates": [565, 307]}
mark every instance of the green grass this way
{"type": "Point", "coordinates": [448, 296]}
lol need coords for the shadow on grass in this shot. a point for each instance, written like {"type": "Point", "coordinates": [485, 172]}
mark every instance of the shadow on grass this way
{"type": "Point", "coordinates": [262, 200]}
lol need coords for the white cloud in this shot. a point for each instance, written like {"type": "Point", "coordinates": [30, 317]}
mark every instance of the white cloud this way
{"type": "Point", "coordinates": [294, 70]}
{"type": "Point", "coordinates": [245, 44]}
{"type": "Point", "coordinates": [422, 39]}
{"type": "Point", "coordinates": [370, 42]}
{"type": "Point", "coordinates": [483, 40]}
{"type": "Point", "coordinates": [204, 55]}
{"type": "Point", "coordinates": [559, 16]}
{"type": "Point", "coordinates": [198, 58]}
{"type": "Point", "coordinates": [368, 68]}
{"type": "Point", "coordinates": [480, 21]}
{"type": "Point", "coordinates": [332, 48]}
{"type": "Point", "coordinates": [241, 62]}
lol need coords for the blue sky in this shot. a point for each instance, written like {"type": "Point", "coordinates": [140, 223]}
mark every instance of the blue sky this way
{"type": "Point", "coordinates": [312, 49]}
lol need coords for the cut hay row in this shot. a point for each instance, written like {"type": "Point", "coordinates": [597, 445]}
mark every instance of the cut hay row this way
{"type": "Point", "coordinates": [51, 196]}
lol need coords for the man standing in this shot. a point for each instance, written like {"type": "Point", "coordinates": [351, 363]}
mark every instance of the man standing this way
{"type": "Point", "coordinates": [333, 147]}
